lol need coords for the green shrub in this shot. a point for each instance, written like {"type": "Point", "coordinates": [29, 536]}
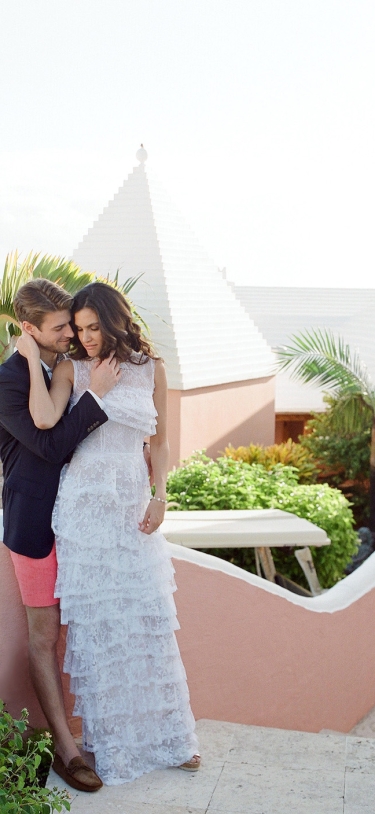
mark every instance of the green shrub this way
{"type": "Point", "coordinates": [342, 459]}
{"type": "Point", "coordinates": [20, 792]}
{"type": "Point", "coordinates": [330, 510]}
{"type": "Point", "coordinates": [202, 483]}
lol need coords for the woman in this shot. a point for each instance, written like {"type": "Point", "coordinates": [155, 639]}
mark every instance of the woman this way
{"type": "Point", "coordinates": [115, 578]}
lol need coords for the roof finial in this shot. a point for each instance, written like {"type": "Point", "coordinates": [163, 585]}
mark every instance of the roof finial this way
{"type": "Point", "coordinates": [141, 154]}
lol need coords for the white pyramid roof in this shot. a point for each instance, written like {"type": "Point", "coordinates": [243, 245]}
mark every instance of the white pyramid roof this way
{"type": "Point", "coordinates": [196, 322]}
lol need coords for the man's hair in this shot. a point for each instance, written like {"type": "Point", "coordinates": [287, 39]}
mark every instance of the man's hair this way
{"type": "Point", "coordinates": [39, 297]}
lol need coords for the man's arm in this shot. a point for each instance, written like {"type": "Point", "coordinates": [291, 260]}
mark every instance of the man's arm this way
{"type": "Point", "coordinates": [56, 443]}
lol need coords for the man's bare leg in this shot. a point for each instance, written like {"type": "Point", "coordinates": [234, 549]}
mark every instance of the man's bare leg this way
{"type": "Point", "coordinates": [44, 625]}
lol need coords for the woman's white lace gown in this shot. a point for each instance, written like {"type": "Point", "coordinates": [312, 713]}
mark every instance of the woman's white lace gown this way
{"type": "Point", "coordinates": [116, 592]}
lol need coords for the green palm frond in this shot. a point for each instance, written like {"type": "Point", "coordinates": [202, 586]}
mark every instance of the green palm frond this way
{"type": "Point", "coordinates": [125, 287]}
{"type": "Point", "coordinates": [316, 356]}
{"type": "Point", "coordinates": [63, 272]}
{"type": "Point", "coordinates": [15, 274]}
{"type": "Point", "coordinates": [350, 413]}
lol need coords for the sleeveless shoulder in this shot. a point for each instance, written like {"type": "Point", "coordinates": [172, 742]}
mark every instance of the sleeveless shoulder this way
{"type": "Point", "coordinates": [66, 367]}
{"type": "Point", "coordinates": [130, 401]}
{"type": "Point", "coordinates": [81, 377]}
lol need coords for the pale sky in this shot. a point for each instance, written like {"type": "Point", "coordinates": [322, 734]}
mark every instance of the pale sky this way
{"type": "Point", "coordinates": [258, 117]}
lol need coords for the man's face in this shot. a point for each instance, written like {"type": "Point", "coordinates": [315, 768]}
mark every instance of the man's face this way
{"type": "Point", "coordinates": [54, 334]}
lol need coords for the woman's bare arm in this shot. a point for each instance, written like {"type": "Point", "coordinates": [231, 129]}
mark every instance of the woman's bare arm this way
{"type": "Point", "coordinates": [154, 515]}
{"type": "Point", "coordinates": [46, 406]}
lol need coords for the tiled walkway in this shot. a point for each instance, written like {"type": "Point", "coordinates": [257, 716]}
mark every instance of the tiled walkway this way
{"type": "Point", "coordinates": [251, 770]}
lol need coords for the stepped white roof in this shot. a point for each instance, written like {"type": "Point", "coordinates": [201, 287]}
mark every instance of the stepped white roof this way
{"type": "Point", "coordinates": [281, 312]}
{"type": "Point", "coordinates": [197, 323]}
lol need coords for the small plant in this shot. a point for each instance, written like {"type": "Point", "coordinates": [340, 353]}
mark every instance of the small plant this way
{"type": "Point", "coordinates": [20, 792]}
{"type": "Point", "coordinates": [288, 454]}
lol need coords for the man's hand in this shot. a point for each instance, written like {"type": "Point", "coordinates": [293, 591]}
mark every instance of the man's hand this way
{"type": "Point", "coordinates": [27, 346]}
{"type": "Point", "coordinates": [104, 375]}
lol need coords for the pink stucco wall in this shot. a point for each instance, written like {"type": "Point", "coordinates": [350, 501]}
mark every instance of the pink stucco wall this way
{"type": "Point", "coordinates": [253, 657]}
{"type": "Point", "coordinates": [212, 417]}
{"type": "Point", "coordinates": [254, 653]}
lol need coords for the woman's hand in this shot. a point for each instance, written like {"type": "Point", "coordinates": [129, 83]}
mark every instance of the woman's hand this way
{"type": "Point", "coordinates": [27, 346]}
{"type": "Point", "coordinates": [104, 375]}
{"type": "Point", "coordinates": [154, 516]}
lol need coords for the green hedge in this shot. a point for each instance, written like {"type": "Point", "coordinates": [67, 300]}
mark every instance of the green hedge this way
{"type": "Point", "coordinates": [202, 483]}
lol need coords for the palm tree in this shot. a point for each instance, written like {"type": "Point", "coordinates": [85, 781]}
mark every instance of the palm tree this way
{"type": "Point", "coordinates": [59, 270]}
{"type": "Point", "coordinates": [317, 357]}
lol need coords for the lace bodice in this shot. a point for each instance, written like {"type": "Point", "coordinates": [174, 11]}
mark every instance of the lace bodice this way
{"type": "Point", "coordinates": [128, 405]}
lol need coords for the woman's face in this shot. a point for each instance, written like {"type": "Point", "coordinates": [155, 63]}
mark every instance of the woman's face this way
{"type": "Point", "coordinates": [88, 331]}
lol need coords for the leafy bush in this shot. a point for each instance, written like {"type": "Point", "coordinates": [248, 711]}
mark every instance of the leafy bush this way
{"type": "Point", "coordinates": [202, 483]}
{"type": "Point", "coordinates": [20, 792]}
{"type": "Point", "coordinates": [288, 454]}
{"type": "Point", "coordinates": [342, 459]}
{"type": "Point", "coordinates": [330, 510]}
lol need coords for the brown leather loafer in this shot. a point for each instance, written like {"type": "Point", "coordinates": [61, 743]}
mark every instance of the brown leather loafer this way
{"type": "Point", "coordinates": [77, 774]}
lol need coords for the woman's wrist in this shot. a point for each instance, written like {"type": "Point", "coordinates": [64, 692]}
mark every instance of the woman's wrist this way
{"type": "Point", "coordinates": [34, 361]}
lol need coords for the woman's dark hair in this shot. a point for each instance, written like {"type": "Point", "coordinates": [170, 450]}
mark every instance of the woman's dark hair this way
{"type": "Point", "coordinates": [119, 330]}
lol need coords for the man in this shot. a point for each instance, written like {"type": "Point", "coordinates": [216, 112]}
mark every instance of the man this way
{"type": "Point", "coordinates": [32, 461]}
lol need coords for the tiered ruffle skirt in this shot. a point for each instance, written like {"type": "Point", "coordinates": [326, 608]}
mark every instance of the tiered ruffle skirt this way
{"type": "Point", "coordinates": [116, 587]}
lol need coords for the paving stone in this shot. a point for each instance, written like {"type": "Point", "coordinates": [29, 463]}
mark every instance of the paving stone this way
{"type": "Point", "coordinates": [101, 804]}
{"type": "Point", "coordinates": [250, 770]}
{"type": "Point", "coordinates": [359, 791]}
{"type": "Point", "coordinates": [168, 787]}
{"type": "Point", "coordinates": [360, 754]}
{"type": "Point", "coordinates": [215, 739]}
{"type": "Point", "coordinates": [266, 790]}
{"type": "Point", "coordinates": [287, 749]}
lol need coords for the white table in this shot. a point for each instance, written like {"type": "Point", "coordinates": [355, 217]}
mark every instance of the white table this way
{"type": "Point", "coordinates": [256, 528]}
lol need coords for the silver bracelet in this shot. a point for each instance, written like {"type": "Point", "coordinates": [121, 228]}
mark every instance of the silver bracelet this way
{"type": "Point", "coordinates": [159, 499]}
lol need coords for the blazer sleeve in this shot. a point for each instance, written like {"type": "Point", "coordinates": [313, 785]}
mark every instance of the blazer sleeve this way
{"type": "Point", "coordinates": [55, 444]}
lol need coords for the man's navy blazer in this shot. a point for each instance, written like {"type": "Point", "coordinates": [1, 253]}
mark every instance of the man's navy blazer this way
{"type": "Point", "coordinates": [33, 459]}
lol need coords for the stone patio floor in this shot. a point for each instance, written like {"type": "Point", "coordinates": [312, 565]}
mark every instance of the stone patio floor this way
{"type": "Point", "coordinates": [253, 770]}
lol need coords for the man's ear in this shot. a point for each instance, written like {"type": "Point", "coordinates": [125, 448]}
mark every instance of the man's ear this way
{"type": "Point", "coordinates": [28, 327]}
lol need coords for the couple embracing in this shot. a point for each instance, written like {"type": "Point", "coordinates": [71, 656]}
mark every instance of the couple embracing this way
{"type": "Point", "coordinates": [85, 385]}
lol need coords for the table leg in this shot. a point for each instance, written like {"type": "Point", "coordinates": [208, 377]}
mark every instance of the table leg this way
{"type": "Point", "coordinates": [267, 563]}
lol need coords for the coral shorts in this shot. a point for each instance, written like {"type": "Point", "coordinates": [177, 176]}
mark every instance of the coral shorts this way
{"type": "Point", "coordinates": [36, 579]}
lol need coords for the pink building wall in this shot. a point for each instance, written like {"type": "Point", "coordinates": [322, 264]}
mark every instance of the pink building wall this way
{"type": "Point", "coordinates": [212, 417]}
{"type": "Point", "coordinates": [253, 652]}
{"type": "Point", "coordinates": [255, 657]}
